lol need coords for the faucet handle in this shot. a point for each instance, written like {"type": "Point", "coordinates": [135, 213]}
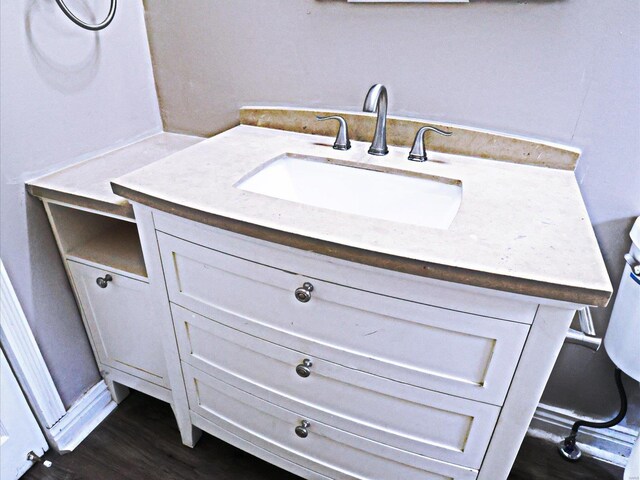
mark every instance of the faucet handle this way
{"type": "Point", "coordinates": [418, 152]}
{"type": "Point", "coordinates": [342, 139]}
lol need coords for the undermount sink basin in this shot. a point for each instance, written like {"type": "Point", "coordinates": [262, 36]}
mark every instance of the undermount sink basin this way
{"type": "Point", "coordinates": [352, 188]}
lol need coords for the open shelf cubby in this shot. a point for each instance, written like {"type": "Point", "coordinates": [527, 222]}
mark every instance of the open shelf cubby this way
{"type": "Point", "coordinates": [99, 240]}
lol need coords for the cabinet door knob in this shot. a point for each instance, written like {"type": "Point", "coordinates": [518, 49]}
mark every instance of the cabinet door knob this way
{"type": "Point", "coordinates": [303, 293]}
{"type": "Point", "coordinates": [302, 429]}
{"type": "Point", "coordinates": [304, 369]}
{"type": "Point", "coordinates": [104, 281]}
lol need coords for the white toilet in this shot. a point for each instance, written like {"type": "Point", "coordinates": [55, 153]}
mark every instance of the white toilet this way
{"type": "Point", "coordinates": [622, 340]}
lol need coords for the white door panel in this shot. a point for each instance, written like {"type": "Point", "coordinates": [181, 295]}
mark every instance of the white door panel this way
{"type": "Point", "coordinates": [19, 431]}
{"type": "Point", "coordinates": [121, 323]}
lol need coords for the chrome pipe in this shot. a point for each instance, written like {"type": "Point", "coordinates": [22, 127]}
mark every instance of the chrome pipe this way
{"type": "Point", "coordinates": [579, 338]}
{"type": "Point", "coordinates": [586, 321]}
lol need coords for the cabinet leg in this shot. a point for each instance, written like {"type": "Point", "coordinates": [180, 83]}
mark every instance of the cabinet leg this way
{"type": "Point", "coordinates": [189, 434]}
{"type": "Point", "coordinates": [118, 392]}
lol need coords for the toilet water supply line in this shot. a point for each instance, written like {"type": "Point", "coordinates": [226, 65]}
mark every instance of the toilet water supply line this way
{"type": "Point", "coordinates": [85, 25]}
{"type": "Point", "coordinates": [586, 337]}
{"type": "Point", "coordinates": [568, 448]}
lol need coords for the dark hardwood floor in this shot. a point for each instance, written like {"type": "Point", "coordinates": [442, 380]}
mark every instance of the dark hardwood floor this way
{"type": "Point", "coordinates": [140, 440]}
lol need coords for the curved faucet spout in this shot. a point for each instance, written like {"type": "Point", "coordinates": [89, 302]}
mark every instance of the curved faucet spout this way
{"type": "Point", "coordinates": [377, 101]}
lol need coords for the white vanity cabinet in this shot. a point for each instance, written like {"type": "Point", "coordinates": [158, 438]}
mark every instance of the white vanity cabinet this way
{"type": "Point", "coordinates": [332, 369]}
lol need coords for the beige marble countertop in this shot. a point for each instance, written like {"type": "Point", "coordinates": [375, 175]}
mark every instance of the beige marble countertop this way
{"type": "Point", "coordinates": [520, 228]}
{"type": "Point", "coordinates": [86, 184]}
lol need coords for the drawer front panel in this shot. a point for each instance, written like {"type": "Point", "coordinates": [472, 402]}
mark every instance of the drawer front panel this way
{"type": "Point", "coordinates": [123, 330]}
{"type": "Point", "coordinates": [463, 298]}
{"type": "Point", "coordinates": [447, 351]}
{"type": "Point", "coordinates": [440, 426]}
{"type": "Point", "coordinates": [327, 450]}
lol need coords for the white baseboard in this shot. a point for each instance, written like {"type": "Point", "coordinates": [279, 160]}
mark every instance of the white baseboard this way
{"type": "Point", "coordinates": [82, 418]}
{"type": "Point", "coordinates": [611, 445]}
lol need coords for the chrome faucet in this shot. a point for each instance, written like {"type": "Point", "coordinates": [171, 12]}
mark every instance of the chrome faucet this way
{"type": "Point", "coordinates": [376, 101]}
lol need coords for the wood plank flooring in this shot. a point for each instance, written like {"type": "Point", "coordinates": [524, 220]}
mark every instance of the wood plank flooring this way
{"type": "Point", "coordinates": [140, 441]}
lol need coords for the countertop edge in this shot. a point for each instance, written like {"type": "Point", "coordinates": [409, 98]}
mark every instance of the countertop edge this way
{"type": "Point", "coordinates": [565, 293]}
{"type": "Point", "coordinates": [123, 210]}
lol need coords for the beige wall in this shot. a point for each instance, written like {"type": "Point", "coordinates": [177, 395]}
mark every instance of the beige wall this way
{"type": "Point", "coordinates": [66, 94]}
{"type": "Point", "coordinates": [564, 70]}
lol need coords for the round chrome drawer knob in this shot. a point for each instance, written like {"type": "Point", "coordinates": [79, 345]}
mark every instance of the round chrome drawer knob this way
{"type": "Point", "coordinates": [104, 281]}
{"type": "Point", "coordinates": [304, 369]}
{"type": "Point", "coordinates": [303, 293]}
{"type": "Point", "coordinates": [302, 429]}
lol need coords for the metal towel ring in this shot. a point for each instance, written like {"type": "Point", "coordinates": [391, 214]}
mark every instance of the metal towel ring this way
{"type": "Point", "coordinates": [87, 26]}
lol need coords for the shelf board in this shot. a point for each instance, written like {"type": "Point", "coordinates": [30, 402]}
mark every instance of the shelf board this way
{"type": "Point", "coordinates": [115, 248]}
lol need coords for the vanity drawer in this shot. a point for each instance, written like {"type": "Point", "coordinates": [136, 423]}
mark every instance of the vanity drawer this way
{"type": "Point", "coordinates": [443, 350]}
{"type": "Point", "coordinates": [326, 450]}
{"type": "Point", "coordinates": [452, 296]}
{"type": "Point", "coordinates": [121, 324]}
{"type": "Point", "coordinates": [440, 426]}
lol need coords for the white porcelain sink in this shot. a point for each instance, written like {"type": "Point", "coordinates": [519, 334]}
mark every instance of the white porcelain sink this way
{"type": "Point", "coordinates": [414, 199]}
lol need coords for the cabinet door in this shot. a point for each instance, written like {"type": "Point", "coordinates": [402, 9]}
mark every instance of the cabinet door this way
{"type": "Point", "coordinates": [120, 323]}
